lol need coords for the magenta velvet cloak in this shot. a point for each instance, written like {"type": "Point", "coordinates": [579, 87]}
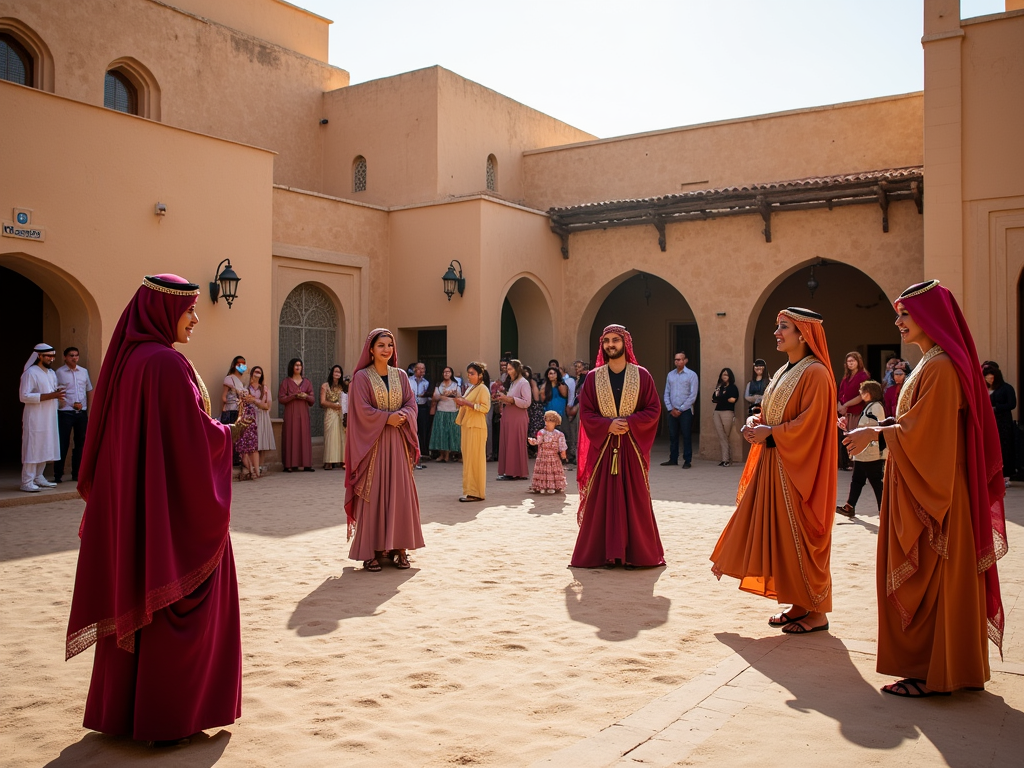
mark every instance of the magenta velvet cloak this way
{"type": "Point", "coordinates": [155, 585]}
{"type": "Point", "coordinates": [616, 515]}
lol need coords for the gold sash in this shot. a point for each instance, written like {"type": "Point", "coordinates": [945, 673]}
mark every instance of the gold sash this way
{"type": "Point", "coordinates": [204, 393]}
{"type": "Point", "coordinates": [606, 398]}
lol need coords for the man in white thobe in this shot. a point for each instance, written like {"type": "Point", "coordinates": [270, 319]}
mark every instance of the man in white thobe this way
{"type": "Point", "coordinates": [40, 441]}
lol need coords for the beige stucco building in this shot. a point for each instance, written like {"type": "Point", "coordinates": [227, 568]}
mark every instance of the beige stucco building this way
{"type": "Point", "coordinates": [341, 206]}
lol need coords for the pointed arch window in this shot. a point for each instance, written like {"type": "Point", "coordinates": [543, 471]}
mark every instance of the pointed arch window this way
{"type": "Point", "coordinates": [15, 61]}
{"type": "Point", "coordinates": [120, 93]}
{"type": "Point", "coordinates": [359, 174]}
{"type": "Point", "coordinates": [492, 173]}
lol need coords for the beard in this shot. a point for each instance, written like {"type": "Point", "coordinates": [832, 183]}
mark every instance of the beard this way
{"type": "Point", "coordinates": [613, 354]}
{"type": "Point", "coordinates": [46, 363]}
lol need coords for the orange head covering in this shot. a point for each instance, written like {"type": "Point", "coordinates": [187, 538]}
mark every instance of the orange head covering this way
{"type": "Point", "coordinates": [808, 323]}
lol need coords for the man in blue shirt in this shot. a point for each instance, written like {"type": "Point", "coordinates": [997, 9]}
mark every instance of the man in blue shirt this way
{"type": "Point", "coordinates": [680, 395]}
{"type": "Point", "coordinates": [421, 388]}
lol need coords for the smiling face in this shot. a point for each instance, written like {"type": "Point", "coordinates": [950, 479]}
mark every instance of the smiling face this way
{"type": "Point", "coordinates": [256, 376]}
{"type": "Point", "coordinates": [613, 346]}
{"type": "Point", "coordinates": [186, 323]}
{"type": "Point", "coordinates": [553, 376]}
{"type": "Point", "coordinates": [336, 374]}
{"type": "Point", "coordinates": [787, 337]}
{"type": "Point", "coordinates": [382, 349]}
{"type": "Point", "coordinates": [910, 331]}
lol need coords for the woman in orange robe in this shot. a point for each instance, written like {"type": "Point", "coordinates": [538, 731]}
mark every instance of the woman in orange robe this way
{"type": "Point", "coordinates": [778, 542]}
{"type": "Point", "coordinates": [942, 526]}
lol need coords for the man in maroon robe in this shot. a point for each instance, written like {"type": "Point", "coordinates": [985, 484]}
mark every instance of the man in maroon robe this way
{"type": "Point", "coordinates": [619, 413]}
{"type": "Point", "coordinates": [155, 588]}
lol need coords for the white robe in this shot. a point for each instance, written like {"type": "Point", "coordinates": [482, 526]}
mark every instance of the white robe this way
{"type": "Point", "coordinates": [40, 441]}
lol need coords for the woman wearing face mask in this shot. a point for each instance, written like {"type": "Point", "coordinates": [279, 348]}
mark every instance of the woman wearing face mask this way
{"type": "Point", "coordinates": [234, 391]}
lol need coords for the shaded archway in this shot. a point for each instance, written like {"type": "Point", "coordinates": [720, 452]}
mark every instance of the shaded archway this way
{"type": "Point", "coordinates": [658, 317]}
{"type": "Point", "coordinates": [308, 329]}
{"type": "Point", "coordinates": [858, 315]}
{"type": "Point", "coordinates": [526, 322]}
{"type": "Point", "coordinates": [46, 304]}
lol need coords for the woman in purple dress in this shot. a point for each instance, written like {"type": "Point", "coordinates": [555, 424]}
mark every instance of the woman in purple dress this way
{"type": "Point", "coordinates": [512, 462]}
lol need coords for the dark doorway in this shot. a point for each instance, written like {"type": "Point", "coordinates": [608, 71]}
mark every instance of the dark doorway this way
{"type": "Point", "coordinates": [24, 301]}
{"type": "Point", "coordinates": [687, 339]}
{"type": "Point", "coordinates": [878, 355]}
{"type": "Point", "coordinates": [433, 353]}
{"type": "Point", "coordinates": [509, 330]}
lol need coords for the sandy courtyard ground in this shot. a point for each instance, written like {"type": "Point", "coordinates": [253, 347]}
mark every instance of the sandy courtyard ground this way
{"type": "Point", "coordinates": [490, 652]}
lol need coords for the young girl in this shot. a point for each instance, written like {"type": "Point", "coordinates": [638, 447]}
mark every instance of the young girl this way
{"type": "Point", "coordinates": [869, 464]}
{"type": "Point", "coordinates": [548, 472]}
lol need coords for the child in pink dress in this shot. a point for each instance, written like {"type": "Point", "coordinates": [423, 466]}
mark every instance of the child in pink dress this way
{"type": "Point", "coordinates": [548, 472]}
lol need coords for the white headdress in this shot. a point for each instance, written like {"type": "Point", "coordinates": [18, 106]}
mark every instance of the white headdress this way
{"type": "Point", "coordinates": [35, 354]}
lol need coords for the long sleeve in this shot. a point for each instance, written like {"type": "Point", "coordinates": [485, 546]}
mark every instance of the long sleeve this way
{"type": "Point", "coordinates": [668, 391]}
{"type": "Point", "coordinates": [693, 385]}
{"type": "Point", "coordinates": [284, 395]}
{"type": "Point", "coordinates": [29, 392]}
{"type": "Point", "coordinates": [516, 391]}
{"type": "Point", "coordinates": [307, 387]}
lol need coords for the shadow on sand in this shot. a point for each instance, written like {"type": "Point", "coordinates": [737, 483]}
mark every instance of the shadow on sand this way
{"type": "Point", "coordinates": [354, 593]}
{"type": "Point", "coordinates": [96, 750]}
{"type": "Point", "coordinates": [619, 603]}
{"type": "Point", "coordinates": [968, 729]}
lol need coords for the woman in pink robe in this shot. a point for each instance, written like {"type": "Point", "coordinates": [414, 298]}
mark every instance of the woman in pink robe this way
{"type": "Point", "coordinates": [296, 394]}
{"type": "Point", "coordinates": [381, 450]}
{"type": "Point", "coordinates": [155, 588]}
{"type": "Point", "coordinates": [515, 419]}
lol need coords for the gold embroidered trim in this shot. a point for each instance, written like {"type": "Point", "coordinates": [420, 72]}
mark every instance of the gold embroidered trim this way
{"type": "Point", "coordinates": [907, 393]}
{"type": "Point", "coordinates": [333, 395]}
{"type": "Point", "coordinates": [801, 318]}
{"type": "Point", "coordinates": [606, 398]}
{"type": "Point", "coordinates": [389, 398]}
{"type": "Point", "coordinates": [781, 388]}
{"type": "Point", "coordinates": [816, 599]}
{"type": "Point", "coordinates": [173, 292]}
{"type": "Point", "coordinates": [203, 392]}
{"type": "Point", "coordinates": [928, 286]}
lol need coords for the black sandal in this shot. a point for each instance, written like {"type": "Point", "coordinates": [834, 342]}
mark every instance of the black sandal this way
{"type": "Point", "coordinates": [910, 688]}
{"type": "Point", "coordinates": [401, 561]}
{"type": "Point", "coordinates": [785, 619]}
{"type": "Point", "coordinates": [372, 565]}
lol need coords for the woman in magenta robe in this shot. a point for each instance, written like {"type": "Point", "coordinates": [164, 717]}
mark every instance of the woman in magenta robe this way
{"type": "Point", "coordinates": [617, 429]}
{"type": "Point", "coordinates": [515, 419]}
{"type": "Point", "coordinates": [155, 587]}
{"type": "Point", "coordinates": [381, 450]}
{"type": "Point", "coordinates": [296, 394]}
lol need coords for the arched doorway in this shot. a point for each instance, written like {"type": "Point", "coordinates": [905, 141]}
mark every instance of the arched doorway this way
{"type": "Point", "coordinates": [308, 329]}
{"type": "Point", "coordinates": [658, 318]}
{"type": "Point", "coordinates": [527, 327]}
{"type": "Point", "coordinates": [47, 305]}
{"type": "Point", "coordinates": [858, 316]}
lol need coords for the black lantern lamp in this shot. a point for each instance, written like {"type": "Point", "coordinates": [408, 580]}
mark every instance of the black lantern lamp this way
{"type": "Point", "coordinates": [812, 283]}
{"type": "Point", "coordinates": [225, 283]}
{"type": "Point", "coordinates": [453, 282]}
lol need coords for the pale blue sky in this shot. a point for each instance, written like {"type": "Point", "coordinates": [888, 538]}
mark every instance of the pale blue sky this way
{"type": "Point", "coordinates": [615, 67]}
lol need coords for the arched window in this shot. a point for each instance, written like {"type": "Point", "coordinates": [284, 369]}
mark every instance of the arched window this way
{"type": "Point", "coordinates": [15, 61]}
{"type": "Point", "coordinates": [308, 330]}
{"type": "Point", "coordinates": [130, 87]}
{"type": "Point", "coordinates": [120, 93]}
{"type": "Point", "coordinates": [492, 173]}
{"type": "Point", "coordinates": [359, 174]}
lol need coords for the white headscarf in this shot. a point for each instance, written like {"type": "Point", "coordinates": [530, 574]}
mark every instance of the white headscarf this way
{"type": "Point", "coordinates": [35, 355]}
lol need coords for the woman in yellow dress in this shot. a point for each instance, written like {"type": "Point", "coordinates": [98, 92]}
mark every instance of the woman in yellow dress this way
{"type": "Point", "coordinates": [473, 409]}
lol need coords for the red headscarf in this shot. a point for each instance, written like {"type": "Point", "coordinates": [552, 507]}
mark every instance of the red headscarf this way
{"type": "Point", "coordinates": [935, 309]}
{"type": "Point", "coordinates": [156, 476]}
{"type": "Point", "coordinates": [583, 471]}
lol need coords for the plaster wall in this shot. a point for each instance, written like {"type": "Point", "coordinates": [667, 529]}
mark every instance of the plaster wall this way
{"type": "Point", "coordinates": [724, 265]}
{"type": "Point", "coordinates": [474, 122]}
{"type": "Point", "coordinates": [277, 22]}
{"type": "Point", "coordinates": [102, 235]}
{"type": "Point", "coordinates": [992, 78]}
{"type": "Point", "coordinates": [344, 249]}
{"type": "Point", "coordinates": [206, 77]}
{"type": "Point", "coordinates": [393, 124]}
{"type": "Point", "coordinates": [842, 138]}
